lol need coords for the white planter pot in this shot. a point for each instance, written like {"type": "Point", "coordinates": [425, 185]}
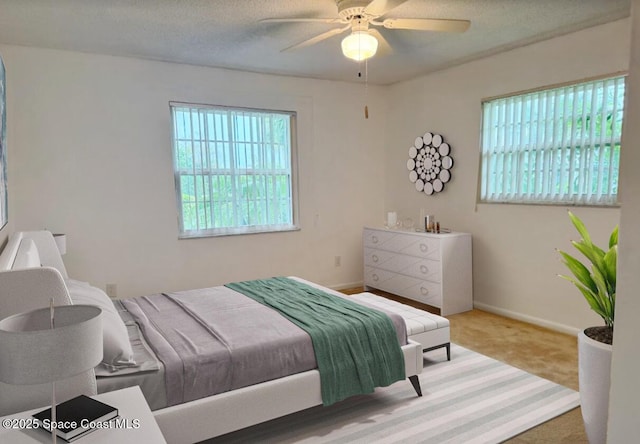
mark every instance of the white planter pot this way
{"type": "Point", "coordinates": [594, 377]}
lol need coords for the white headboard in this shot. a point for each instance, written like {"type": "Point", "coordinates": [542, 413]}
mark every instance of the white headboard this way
{"type": "Point", "coordinates": [20, 252]}
{"type": "Point", "coordinates": [31, 273]}
{"type": "Point", "coordinates": [8, 256]}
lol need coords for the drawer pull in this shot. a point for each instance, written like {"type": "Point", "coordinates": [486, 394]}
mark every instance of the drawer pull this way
{"type": "Point", "coordinates": [423, 248]}
{"type": "Point", "coordinates": [374, 277]}
{"type": "Point", "coordinates": [424, 290]}
{"type": "Point", "coordinates": [374, 258]}
{"type": "Point", "coordinates": [424, 269]}
{"type": "Point", "coordinates": [374, 239]}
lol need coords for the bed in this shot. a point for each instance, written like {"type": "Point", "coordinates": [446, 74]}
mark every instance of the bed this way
{"type": "Point", "coordinates": [31, 265]}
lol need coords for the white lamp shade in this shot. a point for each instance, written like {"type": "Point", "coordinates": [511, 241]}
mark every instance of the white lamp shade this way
{"type": "Point", "coordinates": [33, 353]}
{"type": "Point", "coordinates": [359, 45]}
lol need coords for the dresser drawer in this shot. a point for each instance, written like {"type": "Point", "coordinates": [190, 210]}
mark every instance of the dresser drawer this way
{"type": "Point", "coordinates": [378, 258]}
{"type": "Point", "coordinates": [377, 238]}
{"type": "Point", "coordinates": [425, 292]}
{"type": "Point", "coordinates": [377, 278]}
{"type": "Point", "coordinates": [422, 247]}
{"type": "Point", "coordinates": [426, 269]}
{"type": "Point", "coordinates": [399, 263]}
{"type": "Point", "coordinates": [402, 285]}
{"type": "Point", "coordinates": [388, 240]}
{"type": "Point", "coordinates": [404, 243]}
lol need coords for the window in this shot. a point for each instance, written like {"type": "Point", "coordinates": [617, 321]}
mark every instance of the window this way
{"type": "Point", "coordinates": [234, 169]}
{"type": "Point", "coordinates": [557, 146]}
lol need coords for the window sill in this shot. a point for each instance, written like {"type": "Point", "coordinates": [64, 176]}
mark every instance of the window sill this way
{"type": "Point", "coordinates": [552, 204]}
{"type": "Point", "coordinates": [204, 234]}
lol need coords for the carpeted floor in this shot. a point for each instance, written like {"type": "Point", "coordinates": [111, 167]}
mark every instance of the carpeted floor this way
{"type": "Point", "coordinates": [542, 352]}
{"type": "Point", "coordinates": [537, 350]}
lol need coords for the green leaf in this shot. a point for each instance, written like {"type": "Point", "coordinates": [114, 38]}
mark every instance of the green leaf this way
{"type": "Point", "coordinates": [590, 251]}
{"type": "Point", "coordinates": [603, 295]}
{"type": "Point", "coordinates": [582, 273]}
{"type": "Point", "coordinates": [612, 298]}
{"type": "Point", "coordinates": [613, 240]}
{"type": "Point", "coordinates": [580, 227]}
{"type": "Point", "coordinates": [610, 262]}
{"type": "Point", "coordinates": [594, 302]}
{"type": "Point", "coordinates": [599, 279]}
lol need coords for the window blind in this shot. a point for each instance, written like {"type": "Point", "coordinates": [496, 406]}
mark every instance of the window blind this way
{"type": "Point", "coordinates": [558, 146]}
{"type": "Point", "coordinates": [233, 170]}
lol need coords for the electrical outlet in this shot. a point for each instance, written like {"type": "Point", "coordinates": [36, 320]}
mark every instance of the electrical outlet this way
{"type": "Point", "coordinates": [112, 290]}
{"type": "Point", "coordinates": [337, 261]}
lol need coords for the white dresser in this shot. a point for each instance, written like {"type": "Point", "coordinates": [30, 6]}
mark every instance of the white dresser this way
{"type": "Point", "coordinates": [434, 269]}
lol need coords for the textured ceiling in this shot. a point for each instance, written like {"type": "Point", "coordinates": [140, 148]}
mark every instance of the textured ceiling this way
{"type": "Point", "coordinates": [226, 33]}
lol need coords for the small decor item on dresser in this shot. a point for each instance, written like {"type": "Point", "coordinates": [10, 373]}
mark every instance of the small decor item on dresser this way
{"type": "Point", "coordinates": [77, 417]}
{"type": "Point", "coordinates": [429, 223]}
{"type": "Point", "coordinates": [430, 163]}
{"type": "Point", "coordinates": [407, 223]}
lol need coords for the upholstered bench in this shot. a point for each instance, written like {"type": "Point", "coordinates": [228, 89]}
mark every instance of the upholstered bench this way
{"type": "Point", "coordinates": [428, 329]}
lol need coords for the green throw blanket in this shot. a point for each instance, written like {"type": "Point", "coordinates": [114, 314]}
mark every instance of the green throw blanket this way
{"type": "Point", "coordinates": [356, 347]}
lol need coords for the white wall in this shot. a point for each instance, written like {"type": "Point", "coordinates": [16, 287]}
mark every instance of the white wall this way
{"type": "Point", "coordinates": [624, 403]}
{"type": "Point", "coordinates": [90, 156]}
{"type": "Point", "coordinates": [514, 258]}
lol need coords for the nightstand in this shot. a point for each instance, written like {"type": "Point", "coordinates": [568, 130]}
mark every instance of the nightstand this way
{"type": "Point", "coordinates": [131, 406]}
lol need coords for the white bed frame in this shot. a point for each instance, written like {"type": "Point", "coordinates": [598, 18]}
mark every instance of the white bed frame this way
{"type": "Point", "coordinates": [26, 289]}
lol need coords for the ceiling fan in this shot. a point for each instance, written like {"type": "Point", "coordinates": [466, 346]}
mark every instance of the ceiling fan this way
{"type": "Point", "coordinates": [358, 16]}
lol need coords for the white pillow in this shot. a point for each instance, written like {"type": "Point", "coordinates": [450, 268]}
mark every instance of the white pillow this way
{"type": "Point", "coordinates": [117, 348]}
{"type": "Point", "coordinates": [27, 256]}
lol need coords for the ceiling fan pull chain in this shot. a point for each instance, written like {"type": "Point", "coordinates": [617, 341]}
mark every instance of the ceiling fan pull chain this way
{"type": "Point", "coordinates": [366, 89]}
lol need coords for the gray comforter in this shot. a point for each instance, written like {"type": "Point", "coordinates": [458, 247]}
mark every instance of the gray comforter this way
{"type": "Point", "coordinates": [214, 340]}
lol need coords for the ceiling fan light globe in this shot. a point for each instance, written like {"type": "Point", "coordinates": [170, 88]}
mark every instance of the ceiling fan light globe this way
{"type": "Point", "coordinates": [359, 45]}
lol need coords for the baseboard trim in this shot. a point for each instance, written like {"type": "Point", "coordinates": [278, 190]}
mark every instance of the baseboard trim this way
{"type": "Point", "coordinates": [526, 318]}
{"type": "Point", "coordinates": [344, 286]}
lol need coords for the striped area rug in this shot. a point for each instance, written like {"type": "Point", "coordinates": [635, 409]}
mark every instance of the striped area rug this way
{"type": "Point", "coordinates": [471, 399]}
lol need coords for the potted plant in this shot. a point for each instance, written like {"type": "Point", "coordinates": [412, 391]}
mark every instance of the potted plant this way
{"type": "Point", "coordinates": [597, 283]}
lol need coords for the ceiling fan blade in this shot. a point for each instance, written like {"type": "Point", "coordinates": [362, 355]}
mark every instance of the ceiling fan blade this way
{"type": "Point", "coordinates": [380, 7]}
{"type": "Point", "coordinates": [318, 38]}
{"type": "Point", "coordinates": [427, 24]}
{"type": "Point", "coordinates": [306, 20]}
{"type": "Point", "coordinates": [383, 45]}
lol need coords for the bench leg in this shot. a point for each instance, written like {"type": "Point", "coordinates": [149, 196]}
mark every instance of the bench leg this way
{"type": "Point", "coordinates": [415, 382]}
{"type": "Point", "coordinates": [447, 346]}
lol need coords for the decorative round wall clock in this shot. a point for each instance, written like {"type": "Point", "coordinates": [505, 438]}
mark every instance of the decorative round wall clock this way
{"type": "Point", "coordinates": [429, 163]}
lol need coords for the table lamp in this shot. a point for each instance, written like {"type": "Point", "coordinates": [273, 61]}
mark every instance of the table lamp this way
{"type": "Point", "coordinates": [48, 345]}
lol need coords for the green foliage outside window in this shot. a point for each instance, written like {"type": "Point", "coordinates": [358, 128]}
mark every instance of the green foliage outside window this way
{"type": "Point", "coordinates": [560, 145]}
{"type": "Point", "coordinates": [233, 169]}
